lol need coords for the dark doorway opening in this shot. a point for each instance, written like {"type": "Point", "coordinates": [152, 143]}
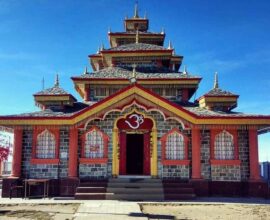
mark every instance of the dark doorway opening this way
{"type": "Point", "coordinates": [134, 154]}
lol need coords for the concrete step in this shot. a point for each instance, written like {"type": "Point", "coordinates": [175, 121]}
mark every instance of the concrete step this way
{"type": "Point", "coordinates": [134, 185]}
{"type": "Point", "coordinates": [91, 189]}
{"type": "Point", "coordinates": [135, 191]}
{"type": "Point", "coordinates": [177, 185]}
{"type": "Point", "coordinates": [90, 196]}
{"type": "Point", "coordinates": [135, 197]}
{"type": "Point", "coordinates": [188, 196]}
{"type": "Point", "coordinates": [178, 190]}
{"type": "Point", "coordinates": [134, 180]}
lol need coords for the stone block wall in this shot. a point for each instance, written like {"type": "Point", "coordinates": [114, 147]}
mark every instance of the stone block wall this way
{"type": "Point", "coordinates": [52, 171]}
{"type": "Point", "coordinates": [225, 172]}
{"type": "Point", "coordinates": [243, 153]}
{"type": "Point", "coordinates": [175, 171]}
{"type": "Point", "coordinates": [93, 171]}
{"type": "Point", "coordinates": [205, 154]}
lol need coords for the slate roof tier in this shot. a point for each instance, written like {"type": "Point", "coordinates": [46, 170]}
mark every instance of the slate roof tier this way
{"type": "Point", "coordinates": [138, 46]}
{"type": "Point", "coordinates": [141, 73]}
{"type": "Point", "coordinates": [219, 92]}
{"type": "Point", "coordinates": [56, 90]}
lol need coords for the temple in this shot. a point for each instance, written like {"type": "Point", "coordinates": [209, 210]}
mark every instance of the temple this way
{"type": "Point", "coordinates": [136, 121]}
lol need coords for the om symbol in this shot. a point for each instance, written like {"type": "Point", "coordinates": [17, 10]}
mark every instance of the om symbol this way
{"type": "Point", "coordinates": [137, 121]}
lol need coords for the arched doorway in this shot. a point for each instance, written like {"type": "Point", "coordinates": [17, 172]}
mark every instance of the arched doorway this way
{"type": "Point", "coordinates": [134, 145]}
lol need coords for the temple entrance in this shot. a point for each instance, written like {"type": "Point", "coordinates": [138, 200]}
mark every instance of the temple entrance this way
{"type": "Point", "coordinates": [134, 145]}
{"type": "Point", "coordinates": [134, 154]}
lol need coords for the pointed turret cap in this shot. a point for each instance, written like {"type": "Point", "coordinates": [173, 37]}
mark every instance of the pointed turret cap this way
{"type": "Point", "coordinates": [170, 45]}
{"type": "Point", "coordinates": [56, 83]}
{"type": "Point", "coordinates": [136, 14]}
{"type": "Point", "coordinates": [216, 81]}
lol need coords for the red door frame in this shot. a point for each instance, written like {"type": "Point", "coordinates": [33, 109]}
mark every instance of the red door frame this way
{"type": "Point", "coordinates": [146, 154]}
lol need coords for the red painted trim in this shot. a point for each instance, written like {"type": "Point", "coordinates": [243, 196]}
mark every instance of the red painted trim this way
{"type": "Point", "coordinates": [44, 161]}
{"type": "Point", "coordinates": [17, 153]}
{"type": "Point", "coordinates": [253, 155]}
{"type": "Point", "coordinates": [175, 162]}
{"type": "Point", "coordinates": [137, 51]}
{"type": "Point", "coordinates": [214, 133]}
{"type": "Point", "coordinates": [73, 153]}
{"type": "Point", "coordinates": [226, 162]}
{"type": "Point", "coordinates": [123, 149]}
{"type": "Point", "coordinates": [93, 160]}
{"type": "Point", "coordinates": [134, 34]}
{"type": "Point", "coordinates": [196, 153]}
{"type": "Point", "coordinates": [123, 91]}
{"type": "Point", "coordinates": [76, 78]}
{"type": "Point", "coordinates": [146, 154]}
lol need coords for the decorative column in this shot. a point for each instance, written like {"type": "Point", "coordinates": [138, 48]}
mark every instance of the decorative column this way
{"type": "Point", "coordinates": [253, 155]}
{"type": "Point", "coordinates": [87, 92]}
{"type": "Point", "coordinates": [17, 153]}
{"type": "Point", "coordinates": [196, 154]}
{"type": "Point", "coordinates": [73, 153]}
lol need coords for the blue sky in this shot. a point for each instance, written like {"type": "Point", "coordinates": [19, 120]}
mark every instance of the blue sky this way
{"type": "Point", "coordinates": [39, 38]}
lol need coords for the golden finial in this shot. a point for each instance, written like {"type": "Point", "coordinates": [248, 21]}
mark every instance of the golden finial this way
{"type": "Point", "coordinates": [162, 31]}
{"type": "Point", "coordinates": [85, 70]}
{"type": "Point", "coordinates": [216, 81]}
{"type": "Point", "coordinates": [136, 14]}
{"type": "Point", "coordinates": [56, 81]}
{"type": "Point", "coordinates": [102, 47]}
{"type": "Point", "coordinates": [137, 37]}
{"type": "Point", "coordinates": [43, 83]}
{"type": "Point", "coordinates": [185, 70]}
{"type": "Point", "coordinates": [170, 45]}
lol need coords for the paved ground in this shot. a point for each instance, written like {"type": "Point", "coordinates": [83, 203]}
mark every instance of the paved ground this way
{"type": "Point", "coordinates": [110, 209]}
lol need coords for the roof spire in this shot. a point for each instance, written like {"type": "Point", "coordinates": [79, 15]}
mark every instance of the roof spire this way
{"type": "Point", "coordinates": [170, 45]}
{"type": "Point", "coordinates": [145, 15]}
{"type": "Point", "coordinates": [137, 37]}
{"type": "Point", "coordinates": [43, 83]}
{"type": "Point", "coordinates": [216, 81]}
{"type": "Point", "coordinates": [56, 84]}
{"type": "Point", "coordinates": [185, 70]}
{"type": "Point", "coordinates": [102, 47]}
{"type": "Point", "coordinates": [162, 31]}
{"type": "Point", "coordinates": [109, 30]}
{"type": "Point", "coordinates": [85, 70]}
{"type": "Point", "coordinates": [136, 14]}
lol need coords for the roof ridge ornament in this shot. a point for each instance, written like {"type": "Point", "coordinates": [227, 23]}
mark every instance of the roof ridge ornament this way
{"type": "Point", "coordinates": [102, 47]}
{"type": "Point", "coordinates": [185, 72]}
{"type": "Point", "coordinates": [43, 83]}
{"type": "Point", "coordinates": [136, 14]}
{"type": "Point", "coordinates": [170, 47]}
{"type": "Point", "coordinates": [137, 37]}
{"type": "Point", "coordinates": [133, 77]}
{"type": "Point", "coordinates": [85, 70]}
{"type": "Point", "coordinates": [109, 30]}
{"type": "Point", "coordinates": [56, 84]}
{"type": "Point", "coordinates": [163, 31]}
{"type": "Point", "coordinates": [216, 81]}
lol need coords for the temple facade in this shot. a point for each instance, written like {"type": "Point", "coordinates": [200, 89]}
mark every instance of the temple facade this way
{"type": "Point", "coordinates": [136, 119]}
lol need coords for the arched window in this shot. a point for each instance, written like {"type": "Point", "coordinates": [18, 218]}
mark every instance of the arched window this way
{"type": "Point", "coordinates": [46, 145]}
{"type": "Point", "coordinates": [174, 148]}
{"type": "Point", "coordinates": [224, 146]}
{"type": "Point", "coordinates": [94, 144]}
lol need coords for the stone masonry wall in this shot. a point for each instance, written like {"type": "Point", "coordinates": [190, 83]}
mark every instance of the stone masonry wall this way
{"type": "Point", "coordinates": [205, 154]}
{"type": "Point", "coordinates": [163, 127]}
{"type": "Point", "coordinates": [93, 171]}
{"type": "Point", "coordinates": [243, 153]}
{"type": "Point", "coordinates": [52, 171]}
{"type": "Point", "coordinates": [225, 173]}
{"type": "Point", "coordinates": [175, 171]}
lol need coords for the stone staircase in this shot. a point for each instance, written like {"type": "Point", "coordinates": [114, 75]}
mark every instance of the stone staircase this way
{"type": "Point", "coordinates": [134, 189]}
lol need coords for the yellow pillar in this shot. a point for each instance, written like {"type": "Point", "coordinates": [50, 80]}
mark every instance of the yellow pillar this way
{"type": "Point", "coordinates": [154, 165]}
{"type": "Point", "coordinates": [115, 162]}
